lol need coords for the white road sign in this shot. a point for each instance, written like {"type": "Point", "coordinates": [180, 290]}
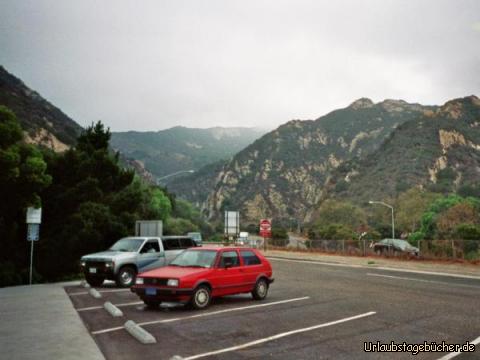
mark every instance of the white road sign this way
{"type": "Point", "coordinates": [34, 216]}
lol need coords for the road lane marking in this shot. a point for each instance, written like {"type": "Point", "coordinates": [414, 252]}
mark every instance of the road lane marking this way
{"type": "Point", "coordinates": [315, 262]}
{"type": "Point", "coordinates": [210, 313]}
{"type": "Point", "coordinates": [278, 336]}
{"type": "Point", "coordinates": [100, 291]}
{"type": "Point", "coordinates": [101, 307]}
{"type": "Point", "coordinates": [378, 268]}
{"type": "Point", "coordinates": [423, 280]}
{"type": "Point", "coordinates": [455, 354]}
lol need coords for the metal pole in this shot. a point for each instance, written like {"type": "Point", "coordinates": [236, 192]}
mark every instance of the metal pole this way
{"type": "Point", "coordinates": [31, 260]}
{"type": "Point", "coordinates": [393, 225]}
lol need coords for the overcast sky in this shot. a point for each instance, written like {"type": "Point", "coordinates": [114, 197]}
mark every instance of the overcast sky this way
{"type": "Point", "coordinates": [150, 65]}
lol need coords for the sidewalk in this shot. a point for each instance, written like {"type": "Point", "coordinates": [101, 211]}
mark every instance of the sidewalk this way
{"type": "Point", "coordinates": [381, 262]}
{"type": "Point", "coordinates": [39, 322]}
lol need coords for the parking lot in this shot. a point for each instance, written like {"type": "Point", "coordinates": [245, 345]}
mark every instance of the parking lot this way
{"type": "Point", "coordinates": [313, 311]}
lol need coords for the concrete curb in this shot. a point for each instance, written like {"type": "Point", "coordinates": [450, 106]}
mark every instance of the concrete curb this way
{"type": "Point", "coordinates": [139, 333]}
{"type": "Point", "coordinates": [112, 309]}
{"type": "Point", "coordinates": [95, 293]}
{"type": "Point", "coordinates": [84, 284]}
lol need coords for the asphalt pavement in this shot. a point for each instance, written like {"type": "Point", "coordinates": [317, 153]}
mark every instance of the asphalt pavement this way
{"type": "Point", "coordinates": [39, 322]}
{"type": "Point", "coordinates": [313, 311]}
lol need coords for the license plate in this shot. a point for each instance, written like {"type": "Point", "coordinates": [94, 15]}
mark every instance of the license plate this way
{"type": "Point", "coordinates": [150, 291]}
{"type": "Point", "coordinates": [92, 270]}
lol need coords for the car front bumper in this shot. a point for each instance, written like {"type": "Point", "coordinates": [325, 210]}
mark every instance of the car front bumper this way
{"type": "Point", "coordinates": [100, 271]}
{"type": "Point", "coordinates": [163, 294]}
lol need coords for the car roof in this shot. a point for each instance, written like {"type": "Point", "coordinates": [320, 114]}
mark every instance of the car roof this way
{"type": "Point", "coordinates": [220, 247]}
{"type": "Point", "coordinates": [176, 237]}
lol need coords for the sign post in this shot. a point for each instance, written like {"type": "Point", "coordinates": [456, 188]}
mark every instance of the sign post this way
{"type": "Point", "coordinates": [265, 231]}
{"type": "Point", "coordinates": [34, 218]}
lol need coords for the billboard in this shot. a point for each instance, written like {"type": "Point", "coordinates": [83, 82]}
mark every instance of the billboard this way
{"type": "Point", "coordinates": [232, 223]}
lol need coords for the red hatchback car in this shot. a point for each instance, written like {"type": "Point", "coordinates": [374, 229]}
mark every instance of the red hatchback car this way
{"type": "Point", "coordinates": [199, 274]}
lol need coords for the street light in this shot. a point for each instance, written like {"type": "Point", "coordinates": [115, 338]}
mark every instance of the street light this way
{"type": "Point", "coordinates": [391, 208]}
{"type": "Point", "coordinates": [173, 174]}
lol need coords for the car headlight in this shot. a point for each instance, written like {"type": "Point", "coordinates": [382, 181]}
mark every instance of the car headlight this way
{"type": "Point", "coordinates": [82, 263]}
{"type": "Point", "coordinates": [139, 281]}
{"type": "Point", "coordinates": [172, 282]}
{"type": "Point", "coordinates": [109, 264]}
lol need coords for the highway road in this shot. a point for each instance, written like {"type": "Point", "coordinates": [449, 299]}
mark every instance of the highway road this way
{"type": "Point", "coordinates": [313, 311]}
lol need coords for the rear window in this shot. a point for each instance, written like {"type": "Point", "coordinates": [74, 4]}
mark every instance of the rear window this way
{"type": "Point", "coordinates": [249, 258]}
{"type": "Point", "coordinates": [186, 243]}
{"type": "Point", "coordinates": [171, 244]}
{"type": "Point", "coordinates": [177, 243]}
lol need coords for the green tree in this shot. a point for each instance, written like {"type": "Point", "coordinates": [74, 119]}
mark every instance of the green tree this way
{"type": "Point", "coordinates": [338, 212]}
{"type": "Point", "coordinates": [91, 203]}
{"type": "Point", "coordinates": [177, 226]}
{"type": "Point", "coordinates": [338, 220]}
{"type": "Point", "coordinates": [410, 207]}
{"type": "Point", "coordinates": [22, 177]}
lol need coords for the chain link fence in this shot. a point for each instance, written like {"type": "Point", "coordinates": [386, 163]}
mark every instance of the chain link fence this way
{"type": "Point", "coordinates": [428, 249]}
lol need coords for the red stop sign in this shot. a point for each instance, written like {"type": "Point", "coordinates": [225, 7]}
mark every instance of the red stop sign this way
{"type": "Point", "coordinates": [265, 228]}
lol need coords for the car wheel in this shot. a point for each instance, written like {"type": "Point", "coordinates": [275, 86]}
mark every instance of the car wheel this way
{"type": "Point", "coordinates": [126, 276]}
{"type": "Point", "coordinates": [378, 252]}
{"type": "Point", "coordinates": [260, 290]}
{"type": "Point", "coordinates": [94, 281]}
{"type": "Point", "coordinates": [201, 297]}
{"type": "Point", "coordinates": [152, 304]}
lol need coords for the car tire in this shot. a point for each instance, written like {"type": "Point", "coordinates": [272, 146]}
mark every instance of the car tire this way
{"type": "Point", "coordinates": [94, 281]}
{"type": "Point", "coordinates": [126, 276]}
{"type": "Point", "coordinates": [260, 290]}
{"type": "Point", "coordinates": [201, 297]}
{"type": "Point", "coordinates": [152, 304]}
{"type": "Point", "coordinates": [378, 252]}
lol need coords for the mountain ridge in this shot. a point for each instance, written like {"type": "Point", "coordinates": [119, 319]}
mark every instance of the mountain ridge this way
{"type": "Point", "coordinates": [180, 148]}
{"type": "Point", "coordinates": [43, 123]}
{"type": "Point", "coordinates": [313, 153]}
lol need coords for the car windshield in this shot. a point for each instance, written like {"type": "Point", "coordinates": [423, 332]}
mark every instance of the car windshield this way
{"type": "Point", "coordinates": [127, 244]}
{"type": "Point", "coordinates": [195, 258]}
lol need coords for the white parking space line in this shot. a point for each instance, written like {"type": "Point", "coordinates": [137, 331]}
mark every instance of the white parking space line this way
{"type": "Point", "coordinates": [455, 354]}
{"type": "Point", "coordinates": [100, 291]}
{"type": "Point", "coordinates": [210, 313]}
{"type": "Point", "coordinates": [278, 336]}
{"type": "Point", "coordinates": [384, 268]}
{"type": "Point", "coordinates": [101, 307]}
{"type": "Point", "coordinates": [423, 280]}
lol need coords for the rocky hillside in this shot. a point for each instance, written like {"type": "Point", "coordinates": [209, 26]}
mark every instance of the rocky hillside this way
{"type": "Point", "coordinates": [179, 148]}
{"type": "Point", "coordinates": [43, 123]}
{"type": "Point", "coordinates": [439, 151]}
{"type": "Point", "coordinates": [282, 174]}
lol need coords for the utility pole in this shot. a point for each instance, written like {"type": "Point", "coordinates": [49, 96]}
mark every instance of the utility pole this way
{"type": "Point", "coordinates": [393, 218]}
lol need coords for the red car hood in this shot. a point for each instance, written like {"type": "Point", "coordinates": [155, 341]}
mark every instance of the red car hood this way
{"type": "Point", "coordinates": [175, 272]}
